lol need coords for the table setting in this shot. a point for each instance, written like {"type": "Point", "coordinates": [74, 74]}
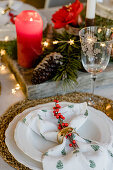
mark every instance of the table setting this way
{"type": "Point", "coordinates": [50, 117]}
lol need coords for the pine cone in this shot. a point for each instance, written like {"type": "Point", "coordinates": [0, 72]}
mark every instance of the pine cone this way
{"type": "Point", "coordinates": [47, 68]}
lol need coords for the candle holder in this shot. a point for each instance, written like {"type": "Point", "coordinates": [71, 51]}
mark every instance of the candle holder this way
{"type": "Point", "coordinates": [89, 22]}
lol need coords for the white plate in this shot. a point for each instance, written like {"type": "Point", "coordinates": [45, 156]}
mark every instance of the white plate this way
{"type": "Point", "coordinates": [12, 147]}
{"type": "Point", "coordinates": [34, 146]}
{"type": "Point", "coordinates": [14, 150]}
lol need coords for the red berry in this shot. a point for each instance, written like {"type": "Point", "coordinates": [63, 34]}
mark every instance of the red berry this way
{"type": "Point", "coordinates": [54, 107]}
{"type": "Point", "coordinates": [57, 110]}
{"type": "Point", "coordinates": [66, 124]}
{"type": "Point", "coordinates": [57, 116]}
{"type": "Point", "coordinates": [57, 105]}
{"type": "Point", "coordinates": [63, 124]}
{"type": "Point", "coordinates": [66, 137]}
{"type": "Point", "coordinates": [74, 141]}
{"type": "Point", "coordinates": [70, 145]}
{"type": "Point", "coordinates": [61, 116]}
{"type": "Point", "coordinates": [70, 134]}
{"type": "Point", "coordinates": [57, 101]}
{"type": "Point", "coordinates": [54, 111]}
{"type": "Point", "coordinates": [54, 114]}
{"type": "Point", "coordinates": [59, 127]}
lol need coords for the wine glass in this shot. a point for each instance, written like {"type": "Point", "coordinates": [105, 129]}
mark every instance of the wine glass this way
{"type": "Point", "coordinates": [96, 45]}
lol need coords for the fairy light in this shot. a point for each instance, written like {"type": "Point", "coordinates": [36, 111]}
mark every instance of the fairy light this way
{"type": "Point", "coordinates": [108, 107]}
{"type": "Point", "coordinates": [71, 42]}
{"type": "Point", "coordinates": [99, 30]}
{"type": "Point", "coordinates": [102, 45]}
{"type": "Point", "coordinates": [2, 68]}
{"type": "Point", "coordinates": [2, 52]}
{"type": "Point", "coordinates": [45, 43]}
{"type": "Point", "coordinates": [17, 87]}
{"type": "Point", "coordinates": [12, 77]}
{"type": "Point", "coordinates": [13, 91]}
{"type": "Point", "coordinates": [89, 40]}
{"type": "Point", "coordinates": [55, 42]}
{"type": "Point", "coordinates": [3, 12]}
{"type": "Point", "coordinates": [6, 38]}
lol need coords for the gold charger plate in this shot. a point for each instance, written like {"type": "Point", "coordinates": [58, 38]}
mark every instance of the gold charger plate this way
{"type": "Point", "coordinates": [102, 104]}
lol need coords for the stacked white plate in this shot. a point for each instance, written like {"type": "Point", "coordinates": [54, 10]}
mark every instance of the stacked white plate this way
{"type": "Point", "coordinates": [27, 147]}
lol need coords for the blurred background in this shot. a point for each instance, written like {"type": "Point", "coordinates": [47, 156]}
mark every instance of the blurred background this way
{"type": "Point", "coordinates": [49, 3]}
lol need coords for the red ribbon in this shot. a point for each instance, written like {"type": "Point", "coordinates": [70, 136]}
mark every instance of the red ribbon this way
{"type": "Point", "coordinates": [12, 17]}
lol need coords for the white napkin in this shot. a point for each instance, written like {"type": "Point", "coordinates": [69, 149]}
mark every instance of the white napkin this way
{"type": "Point", "coordinates": [4, 19]}
{"type": "Point", "coordinates": [89, 155]}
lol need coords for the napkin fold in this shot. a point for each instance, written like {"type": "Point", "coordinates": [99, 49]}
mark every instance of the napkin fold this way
{"type": "Point", "coordinates": [89, 154]}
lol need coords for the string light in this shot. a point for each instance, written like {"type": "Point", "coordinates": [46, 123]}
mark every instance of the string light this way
{"type": "Point", "coordinates": [2, 68]}
{"type": "Point", "coordinates": [2, 52]}
{"type": "Point", "coordinates": [12, 76]}
{"type": "Point", "coordinates": [99, 30]}
{"type": "Point", "coordinates": [13, 91]}
{"type": "Point", "coordinates": [102, 45]}
{"type": "Point", "coordinates": [6, 38]}
{"type": "Point", "coordinates": [17, 87]}
{"type": "Point", "coordinates": [45, 44]}
{"type": "Point", "coordinates": [71, 42]}
{"type": "Point", "coordinates": [90, 40]}
{"type": "Point", "coordinates": [55, 42]}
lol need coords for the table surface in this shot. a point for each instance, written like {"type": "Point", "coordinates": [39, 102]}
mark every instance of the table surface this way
{"type": "Point", "coordinates": [8, 83]}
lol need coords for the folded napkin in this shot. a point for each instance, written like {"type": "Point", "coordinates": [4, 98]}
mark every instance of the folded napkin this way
{"type": "Point", "coordinates": [89, 154]}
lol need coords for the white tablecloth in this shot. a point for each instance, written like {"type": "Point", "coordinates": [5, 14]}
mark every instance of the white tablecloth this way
{"type": "Point", "coordinates": [8, 83]}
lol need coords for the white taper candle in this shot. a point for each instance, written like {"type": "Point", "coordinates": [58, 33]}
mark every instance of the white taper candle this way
{"type": "Point", "coordinates": [91, 7]}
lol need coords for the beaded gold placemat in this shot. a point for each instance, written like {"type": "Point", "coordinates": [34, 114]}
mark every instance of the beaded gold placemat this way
{"type": "Point", "coordinates": [101, 103]}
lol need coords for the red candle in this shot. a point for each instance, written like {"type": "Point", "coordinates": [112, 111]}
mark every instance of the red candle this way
{"type": "Point", "coordinates": [29, 28]}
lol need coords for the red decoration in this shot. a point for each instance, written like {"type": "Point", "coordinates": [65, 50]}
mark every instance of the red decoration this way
{"type": "Point", "coordinates": [70, 145]}
{"type": "Point", "coordinates": [62, 125]}
{"type": "Point", "coordinates": [12, 17]}
{"type": "Point", "coordinates": [29, 28]}
{"type": "Point", "coordinates": [67, 15]}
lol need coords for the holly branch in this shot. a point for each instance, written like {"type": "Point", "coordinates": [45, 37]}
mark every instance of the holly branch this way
{"type": "Point", "coordinates": [62, 125]}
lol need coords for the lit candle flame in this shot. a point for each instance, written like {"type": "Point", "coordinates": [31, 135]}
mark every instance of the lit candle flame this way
{"type": "Point", "coordinates": [31, 19]}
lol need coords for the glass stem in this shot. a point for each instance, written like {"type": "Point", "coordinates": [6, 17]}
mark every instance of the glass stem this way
{"type": "Point", "coordinates": [93, 79]}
